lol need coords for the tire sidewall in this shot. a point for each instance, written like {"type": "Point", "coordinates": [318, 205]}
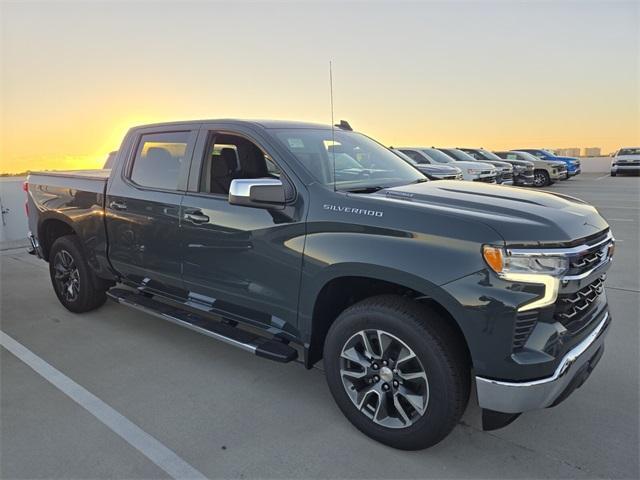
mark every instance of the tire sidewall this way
{"type": "Point", "coordinates": [88, 297]}
{"type": "Point", "coordinates": [428, 429]}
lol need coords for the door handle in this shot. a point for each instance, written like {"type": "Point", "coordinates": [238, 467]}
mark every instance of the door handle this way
{"type": "Point", "coordinates": [196, 217]}
{"type": "Point", "coordinates": [115, 205]}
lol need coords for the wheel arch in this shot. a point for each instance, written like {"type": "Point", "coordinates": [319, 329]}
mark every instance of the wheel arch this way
{"type": "Point", "coordinates": [341, 291]}
{"type": "Point", "coordinates": [49, 230]}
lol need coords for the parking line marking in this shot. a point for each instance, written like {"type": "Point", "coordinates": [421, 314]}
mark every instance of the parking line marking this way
{"type": "Point", "coordinates": [604, 176]}
{"type": "Point", "coordinates": [621, 219]}
{"type": "Point", "coordinates": [151, 448]}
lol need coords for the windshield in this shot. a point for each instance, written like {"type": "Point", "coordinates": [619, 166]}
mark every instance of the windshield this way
{"type": "Point", "coordinates": [628, 151]}
{"type": "Point", "coordinates": [459, 155]}
{"type": "Point", "coordinates": [360, 162]}
{"type": "Point", "coordinates": [489, 155]}
{"type": "Point", "coordinates": [437, 155]}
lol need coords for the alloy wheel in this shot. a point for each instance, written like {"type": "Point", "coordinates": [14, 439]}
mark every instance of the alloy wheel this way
{"type": "Point", "coordinates": [539, 179]}
{"type": "Point", "coordinates": [384, 378]}
{"type": "Point", "coordinates": [67, 277]}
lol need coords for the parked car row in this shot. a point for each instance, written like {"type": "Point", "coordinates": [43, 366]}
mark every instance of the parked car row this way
{"type": "Point", "coordinates": [527, 167]}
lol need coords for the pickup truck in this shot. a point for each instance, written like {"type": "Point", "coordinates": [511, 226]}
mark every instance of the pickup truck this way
{"type": "Point", "coordinates": [573, 164]}
{"type": "Point", "coordinates": [409, 291]}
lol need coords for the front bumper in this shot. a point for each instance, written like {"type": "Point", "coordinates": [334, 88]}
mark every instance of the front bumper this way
{"type": "Point", "coordinates": [485, 178]}
{"type": "Point", "coordinates": [624, 168]}
{"type": "Point", "coordinates": [574, 368]}
{"type": "Point", "coordinates": [523, 179]}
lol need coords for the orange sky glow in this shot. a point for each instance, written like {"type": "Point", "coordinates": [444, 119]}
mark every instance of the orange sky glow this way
{"type": "Point", "coordinates": [77, 75]}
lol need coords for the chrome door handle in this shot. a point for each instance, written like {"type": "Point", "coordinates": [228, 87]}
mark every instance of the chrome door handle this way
{"type": "Point", "coordinates": [118, 205]}
{"type": "Point", "coordinates": [196, 217]}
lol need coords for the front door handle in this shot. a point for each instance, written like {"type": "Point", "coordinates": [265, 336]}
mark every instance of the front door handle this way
{"type": "Point", "coordinates": [196, 217]}
{"type": "Point", "coordinates": [115, 205]}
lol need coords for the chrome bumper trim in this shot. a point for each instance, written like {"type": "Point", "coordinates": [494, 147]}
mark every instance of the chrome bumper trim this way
{"type": "Point", "coordinates": [517, 397]}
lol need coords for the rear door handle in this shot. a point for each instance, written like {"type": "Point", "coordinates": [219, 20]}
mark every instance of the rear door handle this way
{"type": "Point", "coordinates": [196, 217]}
{"type": "Point", "coordinates": [117, 205]}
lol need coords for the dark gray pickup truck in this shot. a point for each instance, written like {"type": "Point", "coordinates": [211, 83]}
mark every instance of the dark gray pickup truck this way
{"type": "Point", "coordinates": [409, 291]}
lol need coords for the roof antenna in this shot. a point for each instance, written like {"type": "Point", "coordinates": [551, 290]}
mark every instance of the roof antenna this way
{"type": "Point", "coordinates": [333, 128]}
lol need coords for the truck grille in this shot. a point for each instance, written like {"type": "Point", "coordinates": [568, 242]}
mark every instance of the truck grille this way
{"type": "Point", "coordinates": [485, 179]}
{"type": "Point", "coordinates": [572, 308]}
{"type": "Point", "coordinates": [591, 257]}
{"type": "Point", "coordinates": [507, 175]}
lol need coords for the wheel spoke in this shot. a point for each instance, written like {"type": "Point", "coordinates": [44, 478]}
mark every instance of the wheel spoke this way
{"type": "Point", "coordinates": [400, 409]}
{"type": "Point", "coordinates": [364, 395]}
{"type": "Point", "coordinates": [381, 409]}
{"type": "Point", "coordinates": [356, 357]}
{"type": "Point", "coordinates": [352, 374]}
{"type": "Point", "coordinates": [383, 345]}
{"type": "Point", "coordinates": [413, 376]}
{"type": "Point", "coordinates": [368, 349]}
{"type": "Point", "coordinates": [406, 357]}
{"type": "Point", "coordinates": [415, 400]}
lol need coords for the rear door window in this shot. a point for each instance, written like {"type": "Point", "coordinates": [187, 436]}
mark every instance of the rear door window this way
{"type": "Point", "coordinates": [160, 160]}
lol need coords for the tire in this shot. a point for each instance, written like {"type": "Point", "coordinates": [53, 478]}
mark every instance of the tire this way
{"type": "Point", "coordinates": [437, 349]}
{"type": "Point", "coordinates": [613, 174]}
{"type": "Point", "coordinates": [75, 285]}
{"type": "Point", "coordinates": [541, 178]}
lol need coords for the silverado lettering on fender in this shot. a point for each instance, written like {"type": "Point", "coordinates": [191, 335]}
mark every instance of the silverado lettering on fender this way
{"type": "Point", "coordinates": [325, 242]}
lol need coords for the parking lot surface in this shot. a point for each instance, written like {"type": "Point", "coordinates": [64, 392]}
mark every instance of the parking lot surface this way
{"type": "Point", "coordinates": [228, 414]}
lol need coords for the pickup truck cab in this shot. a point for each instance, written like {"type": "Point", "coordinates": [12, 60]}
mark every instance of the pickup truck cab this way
{"type": "Point", "coordinates": [625, 160]}
{"type": "Point", "coordinates": [409, 291]}
{"type": "Point", "coordinates": [573, 164]}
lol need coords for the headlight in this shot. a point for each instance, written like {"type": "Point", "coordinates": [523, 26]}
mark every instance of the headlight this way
{"type": "Point", "coordinates": [504, 263]}
{"type": "Point", "coordinates": [537, 268]}
{"type": "Point", "coordinates": [520, 168]}
{"type": "Point", "coordinates": [474, 171]}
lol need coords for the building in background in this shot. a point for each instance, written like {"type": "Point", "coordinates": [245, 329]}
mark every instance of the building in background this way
{"type": "Point", "coordinates": [592, 152]}
{"type": "Point", "coordinates": [568, 152]}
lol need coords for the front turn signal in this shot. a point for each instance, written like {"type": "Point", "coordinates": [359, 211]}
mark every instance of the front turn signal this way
{"type": "Point", "coordinates": [494, 257]}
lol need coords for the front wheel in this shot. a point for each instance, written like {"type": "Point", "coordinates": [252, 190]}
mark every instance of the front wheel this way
{"type": "Point", "coordinates": [77, 288]}
{"type": "Point", "coordinates": [541, 178]}
{"type": "Point", "coordinates": [397, 371]}
{"type": "Point", "coordinates": [613, 174]}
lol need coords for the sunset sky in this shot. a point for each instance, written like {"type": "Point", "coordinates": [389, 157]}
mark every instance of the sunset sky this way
{"type": "Point", "coordinates": [76, 75]}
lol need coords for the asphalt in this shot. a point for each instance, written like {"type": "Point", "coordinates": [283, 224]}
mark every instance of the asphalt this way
{"type": "Point", "coordinates": [229, 414]}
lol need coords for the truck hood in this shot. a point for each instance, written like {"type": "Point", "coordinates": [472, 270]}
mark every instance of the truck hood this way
{"type": "Point", "coordinates": [519, 216]}
{"type": "Point", "coordinates": [475, 165]}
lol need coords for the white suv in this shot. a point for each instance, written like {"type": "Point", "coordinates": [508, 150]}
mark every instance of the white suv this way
{"type": "Point", "coordinates": [626, 160]}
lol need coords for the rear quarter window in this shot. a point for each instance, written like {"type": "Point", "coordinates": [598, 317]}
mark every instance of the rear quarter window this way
{"type": "Point", "coordinates": [159, 159]}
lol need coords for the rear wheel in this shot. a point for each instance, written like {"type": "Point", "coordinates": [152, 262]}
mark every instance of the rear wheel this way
{"type": "Point", "coordinates": [397, 371]}
{"type": "Point", "coordinates": [77, 288]}
{"type": "Point", "coordinates": [541, 178]}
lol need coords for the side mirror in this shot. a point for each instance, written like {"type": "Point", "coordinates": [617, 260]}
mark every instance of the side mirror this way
{"type": "Point", "coordinates": [257, 192]}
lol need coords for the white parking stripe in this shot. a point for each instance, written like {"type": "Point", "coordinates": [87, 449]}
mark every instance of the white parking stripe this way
{"type": "Point", "coordinates": [621, 219]}
{"type": "Point", "coordinates": [604, 176]}
{"type": "Point", "coordinates": [151, 448]}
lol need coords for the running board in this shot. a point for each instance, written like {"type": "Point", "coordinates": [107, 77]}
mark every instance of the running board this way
{"type": "Point", "coordinates": [260, 346]}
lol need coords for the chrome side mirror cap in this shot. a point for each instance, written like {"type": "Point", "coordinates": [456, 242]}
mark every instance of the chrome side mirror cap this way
{"type": "Point", "coordinates": [257, 192]}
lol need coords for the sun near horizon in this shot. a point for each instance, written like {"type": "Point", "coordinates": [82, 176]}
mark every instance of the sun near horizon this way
{"type": "Point", "coordinates": [76, 76]}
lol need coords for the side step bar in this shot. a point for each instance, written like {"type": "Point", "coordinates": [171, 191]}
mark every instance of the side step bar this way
{"type": "Point", "coordinates": [260, 346]}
